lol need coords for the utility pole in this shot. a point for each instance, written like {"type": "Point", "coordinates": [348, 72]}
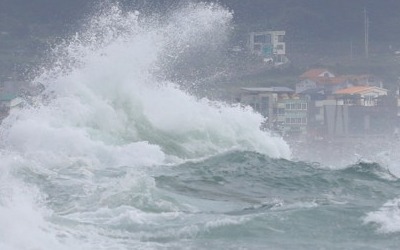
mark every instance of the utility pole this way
{"type": "Point", "coordinates": [366, 33]}
{"type": "Point", "coordinates": [351, 50]}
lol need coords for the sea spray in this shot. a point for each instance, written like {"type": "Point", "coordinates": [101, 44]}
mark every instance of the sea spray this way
{"type": "Point", "coordinates": [105, 89]}
{"type": "Point", "coordinates": [387, 218]}
{"type": "Point", "coordinates": [76, 157]}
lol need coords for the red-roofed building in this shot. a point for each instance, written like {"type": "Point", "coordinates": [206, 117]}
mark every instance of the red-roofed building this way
{"type": "Point", "coordinates": [344, 105]}
{"type": "Point", "coordinates": [323, 79]}
{"type": "Point", "coordinates": [360, 95]}
{"type": "Point", "coordinates": [317, 73]}
{"type": "Point", "coordinates": [359, 110]}
{"type": "Point", "coordinates": [329, 84]}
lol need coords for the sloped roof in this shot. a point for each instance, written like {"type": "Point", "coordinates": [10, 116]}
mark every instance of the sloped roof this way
{"type": "Point", "coordinates": [313, 91]}
{"type": "Point", "coordinates": [358, 90]}
{"type": "Point", "coordinates": [270, 89]}
{"type": "Point", "coordinates": [328, 80]}
{"type": "Point", "coordinates": [314, 73]}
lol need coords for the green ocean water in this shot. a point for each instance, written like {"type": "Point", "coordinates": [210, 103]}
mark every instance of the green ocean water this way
{"type": "Point", "coordinates": [114, 155]}
{"type": "Point", "coordinates": [280, 204]}
{"type": "Point", "coordinates": [234, 200]}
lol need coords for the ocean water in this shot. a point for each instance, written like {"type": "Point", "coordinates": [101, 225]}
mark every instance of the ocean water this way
{"type": "Point", "coordinates": [112, 155]}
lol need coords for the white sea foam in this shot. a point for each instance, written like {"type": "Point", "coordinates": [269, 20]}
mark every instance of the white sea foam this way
{"type": "Point", "coordinates": [387, 217]}
{"type": "Point", "coordinates": [23, 222]}
{"type": "Point", "coordinates": [103, 94]}
{"type": "Point", "coordinates": [105, 105]}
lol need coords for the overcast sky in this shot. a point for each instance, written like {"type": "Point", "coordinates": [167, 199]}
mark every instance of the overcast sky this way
{"type": "Point", "coordinates": [320, 19]}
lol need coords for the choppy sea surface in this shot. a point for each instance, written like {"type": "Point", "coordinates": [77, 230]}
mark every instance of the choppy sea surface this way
{"type": "Point", "coordinates": [113, 156]}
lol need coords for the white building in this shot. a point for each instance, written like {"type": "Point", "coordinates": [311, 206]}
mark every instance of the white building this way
{"type": "Point", "coordinates": [269, 44]}
{"type": "Point", "coordinates": [360, 95]}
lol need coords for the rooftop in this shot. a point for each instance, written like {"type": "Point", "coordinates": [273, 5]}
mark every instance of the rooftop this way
{"type": "Point", "coordinates": [358, 90]}
{"type": "Point", "coordinates": [315, 73]}
{"type": "Point", "coordinates": [270, 89]}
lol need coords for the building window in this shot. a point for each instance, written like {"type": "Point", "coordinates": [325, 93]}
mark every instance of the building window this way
{"type": "Point", "coordinates": [279, 47]}
{"type": "Point", "coordinates": [281, 38]}
{"type": "Point", "coordinates": [370, 100]}
{"type": "Point", "coordinates": [348, 101]}
{"type": "Point", "coordinates": [257, 47]}
{"type": "Point", "coordinates": [264, 104]}
{"type": "Point", "coordinates": [260, 39]}
{"type": "Point", "coordinates": [296, 121]}
{"type": "Point", "coordinates": [296, 106]}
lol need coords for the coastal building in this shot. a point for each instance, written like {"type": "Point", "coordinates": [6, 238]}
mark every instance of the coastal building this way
{"type": "Point", "coordinates": [292, 116]}
{"type": "Point", "coordinates": [344, 105]}
{"type": "Point", "coordinates": [358, 111]}
{"type": "Point", "coordinates": [285, 112]}
{"type": "Point", "coordinates": [315, 73]}
{"type": "Point", "coordinates": [321, 79]}
{"type": "Point", "coordinates": [270, 45]}
{"type": "Point", "coordinates": [326, 105]}
{"type": "Point", "coordinates": [360, 95]}
{"type": "Point", "coordinates": [263, 100]}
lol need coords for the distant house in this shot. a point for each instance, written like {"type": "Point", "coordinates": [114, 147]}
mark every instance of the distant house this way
{"type": "Point", "coordinates": [360, 95]}
{"type": "Point", "coordinates": [344, 105]}
{"type": "Point", "coordinates": [328, 85]}
{"type": "Point", "coordinates": [263, 100]}
{"type": "Point", "coordinates": [358, 110]}
{"type": "Point", "coordinates": [305, 84]}
{"type": "Point", "coordinates": [269, 44]}
{"type": "Point", "coordinates": [292, 116]}
{"type": "Point", "coordinates": [285, 112]}
{"type": "Point", "coordinates": [321, 79]}
{"type": "Point", "coordinates": [317, 73]}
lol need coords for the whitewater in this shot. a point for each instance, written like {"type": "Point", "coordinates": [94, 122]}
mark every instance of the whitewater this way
{"type": "Point", "coordinates": [115, 155]}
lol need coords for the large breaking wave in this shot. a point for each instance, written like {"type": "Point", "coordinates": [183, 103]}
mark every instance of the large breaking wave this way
{"type": "Point", "coordinates": [108, 104]}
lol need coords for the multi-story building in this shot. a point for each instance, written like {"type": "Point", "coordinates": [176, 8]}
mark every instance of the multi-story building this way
{"type": "Point", "coordinates": [263, 100]}
{"type": "Point", "coordinates": [344, 105]}
{"type": "Point", "coordinates": [359, 110]}
{"type": "Point", "coordinates": [286, 113]}
{"type": "Point", "coordinates": [327, 106]}
{"type": "Point", "coordinates": [270, 45]}
{"type": "Point", "coordinates": [292, 116]}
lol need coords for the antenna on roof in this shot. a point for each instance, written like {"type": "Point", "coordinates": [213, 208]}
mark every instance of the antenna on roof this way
{"type": "Point", "coordinates": [366, 33]}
